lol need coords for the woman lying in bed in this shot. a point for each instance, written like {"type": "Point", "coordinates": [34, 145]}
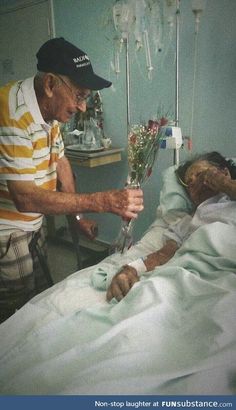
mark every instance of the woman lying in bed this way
{"type": "Point", "coordinates": [174, 333]}
{"type": "Point", "coordinates": [210, 181]}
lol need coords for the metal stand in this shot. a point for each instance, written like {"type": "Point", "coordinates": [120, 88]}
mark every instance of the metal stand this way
{"type": "Point", "coordinates": [176, 151]}
{"type": "Point", "coordinates": [126, 40]}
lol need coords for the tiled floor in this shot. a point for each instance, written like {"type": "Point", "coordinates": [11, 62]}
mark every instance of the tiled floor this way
{"type": "Point", "coordinates": [62, 257]}
{"type": "Point", "coordinates": [63, 261]}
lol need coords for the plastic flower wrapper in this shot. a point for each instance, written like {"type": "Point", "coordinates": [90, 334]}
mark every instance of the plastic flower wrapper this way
{"type": "Point", "coordinates": [143, 145]}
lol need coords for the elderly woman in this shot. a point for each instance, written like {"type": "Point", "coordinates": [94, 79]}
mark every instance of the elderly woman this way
{"type": "Point", "coordinates": [210, 181]}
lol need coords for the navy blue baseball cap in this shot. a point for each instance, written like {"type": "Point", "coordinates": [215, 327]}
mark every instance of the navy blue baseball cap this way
{"type": "Point", "coordinates": [61, 57]}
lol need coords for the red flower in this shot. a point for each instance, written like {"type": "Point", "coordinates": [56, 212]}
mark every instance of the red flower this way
{"type": "Point", "coordinates": [133, 138]}
{"type": "Point", "coordinates": [163, 121]}
{"type": "Point", "coordinates": [153, 126]}
{"type": "Point", "coordinates": [149, 172]}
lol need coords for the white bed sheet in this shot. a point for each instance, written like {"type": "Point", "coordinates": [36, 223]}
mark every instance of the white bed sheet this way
{"type": "Point", "coordinates": [174, 333]}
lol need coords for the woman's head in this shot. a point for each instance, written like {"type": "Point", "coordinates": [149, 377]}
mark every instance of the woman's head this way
{"type": "Point", "coordinates": [191, 174]}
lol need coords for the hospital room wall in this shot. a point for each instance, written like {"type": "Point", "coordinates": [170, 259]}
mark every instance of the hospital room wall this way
{"type": "Point", "coordinates": [89, 25]}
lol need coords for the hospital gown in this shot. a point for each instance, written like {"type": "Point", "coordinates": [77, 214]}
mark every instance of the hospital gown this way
{"type": "Point", "coordinates": [219, 208]}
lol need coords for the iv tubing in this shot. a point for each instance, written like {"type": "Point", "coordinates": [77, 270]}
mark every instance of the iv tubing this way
{"type": "Point", "coordinates": [194, 84]}
{"type": "Point", "coordinates": [147, 51]}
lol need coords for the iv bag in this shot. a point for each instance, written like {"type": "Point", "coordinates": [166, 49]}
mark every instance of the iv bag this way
{"type": "Point", "coordinates": [122, 17]}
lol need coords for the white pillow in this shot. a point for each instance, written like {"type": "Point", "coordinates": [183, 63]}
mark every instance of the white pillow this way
{"type": "Point", "coordinates": [173, 197]}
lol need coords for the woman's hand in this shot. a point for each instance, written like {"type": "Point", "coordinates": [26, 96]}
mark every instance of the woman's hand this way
{"type": "Point", "coordinates": [122, 283]}
{"type": "Point", "coordinates": [207, 183]}
{"type": "Point", "coordinates": [88, 227]}
{"type": "Point", "coordinates": [128, 276]}
{"type": "Point", "coordinates": [217, 179]}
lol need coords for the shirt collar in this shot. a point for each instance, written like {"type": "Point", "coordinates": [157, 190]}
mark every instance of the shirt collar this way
{"type": "Point", "coordinates": [32, 103]}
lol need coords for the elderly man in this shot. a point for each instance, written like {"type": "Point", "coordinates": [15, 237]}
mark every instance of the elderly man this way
{"type": "Point", "coordinates": [32, 163]}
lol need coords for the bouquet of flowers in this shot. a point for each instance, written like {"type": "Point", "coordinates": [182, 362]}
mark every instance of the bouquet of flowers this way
{"type": "Point", "coordinates": [143, 145]}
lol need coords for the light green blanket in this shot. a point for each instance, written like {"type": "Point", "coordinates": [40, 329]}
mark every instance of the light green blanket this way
{"type": "Point", "coordinates": [210, 249]}
{"type": "Point", "coordinates": [174, 333]}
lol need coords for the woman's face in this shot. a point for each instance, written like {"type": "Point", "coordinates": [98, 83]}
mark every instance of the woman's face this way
{"type": "Point", "coordinates": [197, 189]}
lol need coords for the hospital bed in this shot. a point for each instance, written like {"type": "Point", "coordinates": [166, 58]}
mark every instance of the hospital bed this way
{"type": "Point", "coordinates": [174, 333]}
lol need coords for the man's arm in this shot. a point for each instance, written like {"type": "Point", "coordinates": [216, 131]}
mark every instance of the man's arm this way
{"type": "Point", "coordinates": [66, 183]}
{"type": "Point", "coordinates": [28, 197]}
{"type": "Point", "coordinates": [128, 275]}
{"type": "Point", "coordinates": [65, 176]}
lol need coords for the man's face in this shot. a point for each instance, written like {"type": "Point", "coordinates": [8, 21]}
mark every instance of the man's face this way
{"type": "Point", "coordinates": [67, 99]}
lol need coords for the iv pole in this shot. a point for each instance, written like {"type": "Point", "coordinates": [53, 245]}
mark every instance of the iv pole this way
{"type": "Point", "coordinates": [176, 151]}
{"type": "Point", "coordinates": [126, 40]}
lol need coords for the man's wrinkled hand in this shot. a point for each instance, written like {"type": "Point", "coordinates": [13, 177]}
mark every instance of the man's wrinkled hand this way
{"type": "Point", "coordinates": [126, 202]}
{"type": "Point", "coordinates": [122, 283]}
{"type": "Point", "coordinates": [88, 227]}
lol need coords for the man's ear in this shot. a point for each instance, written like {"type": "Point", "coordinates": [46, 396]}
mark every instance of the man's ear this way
{"type": "Point", "coordinates": [50, 83]}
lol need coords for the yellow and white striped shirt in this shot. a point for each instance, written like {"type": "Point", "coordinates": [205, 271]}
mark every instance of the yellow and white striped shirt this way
{"type": "Point", "coordinates": [29, 151]}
